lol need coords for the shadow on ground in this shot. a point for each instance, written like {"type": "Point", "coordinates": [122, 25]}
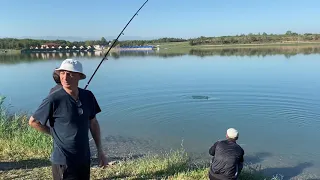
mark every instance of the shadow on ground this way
{"type": "Point", "coordinates": [162, 174]}
{"type": "Point", "coordinates": [256, 158]}
{"type": "Point", "coordinates": [95, 161]}
{"type": "Point", "coordinates": [253, 162]}
{"type": "Point", "coordinates": [287, 172]}
{"type": "Point", "coordinates": [38, 163]}
{"type": "Point", "coordinates": [24, 164]}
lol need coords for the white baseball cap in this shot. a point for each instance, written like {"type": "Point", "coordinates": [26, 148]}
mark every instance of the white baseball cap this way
{"type": "Point", "coordinates": [73, 66]}
{"type": "Point", "coordinates": [232, 133]}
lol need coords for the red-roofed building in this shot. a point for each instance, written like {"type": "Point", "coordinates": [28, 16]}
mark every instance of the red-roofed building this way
{"type": "Point", "coordinates": [50, 45]}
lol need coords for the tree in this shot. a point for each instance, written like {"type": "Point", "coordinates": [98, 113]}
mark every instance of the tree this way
{"type": "Point", "coordinates": [192, 43]}
{"type": "Point", "coordinates": [113, 42]}
{"type": "Point", "coordinates": [88, 43]}
{"type": "Point", "coordinates": [289, 33]}
{"type": "Point", "coordinates": [103, 41]}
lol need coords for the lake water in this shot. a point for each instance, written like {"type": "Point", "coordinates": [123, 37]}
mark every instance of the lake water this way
{"type": "Point", "coordinates": [152, 101]}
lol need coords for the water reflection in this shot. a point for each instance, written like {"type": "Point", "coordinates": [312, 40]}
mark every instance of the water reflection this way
{"type": "Point", "coordinates": [287, 51]}
{"type": "Point", "coordinates": [60, 55]}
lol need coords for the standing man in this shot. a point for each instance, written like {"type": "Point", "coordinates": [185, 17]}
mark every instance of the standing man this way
{"type": "Point", "coordinates": [73, 112]}
{"type": "Point", "coordinates": [227, 161]}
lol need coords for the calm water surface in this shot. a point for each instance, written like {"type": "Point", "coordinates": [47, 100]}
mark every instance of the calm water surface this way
{"type": "Point", "coordinates": [146, 101]}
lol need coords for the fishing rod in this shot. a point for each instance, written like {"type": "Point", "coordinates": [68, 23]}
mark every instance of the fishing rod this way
{"type": "Point", "coordinates": [121, 33]}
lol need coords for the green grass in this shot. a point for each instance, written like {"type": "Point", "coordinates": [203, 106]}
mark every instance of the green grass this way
{"type": "Point", "coordinates": [24, 154]}
{"type": "Point", "coordinates": [18, 140]}
{"type": "Point", "coordinates": [9, 51]}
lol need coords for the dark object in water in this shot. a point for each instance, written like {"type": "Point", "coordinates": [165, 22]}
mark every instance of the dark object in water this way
{"type": "Point", "coordinates": [200, 97]}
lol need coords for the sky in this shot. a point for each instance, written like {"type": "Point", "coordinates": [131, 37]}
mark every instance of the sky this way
{"type": "Point", "coordinates": [158, 18]}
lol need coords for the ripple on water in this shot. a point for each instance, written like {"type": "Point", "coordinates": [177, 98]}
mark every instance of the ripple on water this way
{"type": "Point", "coordinates": [156, 104]}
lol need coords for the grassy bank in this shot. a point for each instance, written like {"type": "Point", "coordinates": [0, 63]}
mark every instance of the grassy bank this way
{"type": "Point", "coordinates": [9, 51]}
{"type": "Point", "coordinates": [18, 141]}
{"type": "Point", "coordinates": [24, 154]}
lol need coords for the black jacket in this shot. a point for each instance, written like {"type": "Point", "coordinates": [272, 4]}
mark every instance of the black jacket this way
{"type": "Point", "coordinates": [228, 160]}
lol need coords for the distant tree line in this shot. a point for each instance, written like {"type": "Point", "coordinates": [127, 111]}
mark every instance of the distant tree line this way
{"type": "Point", "coordinates": [13, 43]}
{"type": "Point", "coordinates": [146, 42]}
{"type": "Point", "coordinates": [255, 39]}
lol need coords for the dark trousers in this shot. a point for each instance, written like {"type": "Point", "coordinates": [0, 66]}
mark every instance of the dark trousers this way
{"type": "Point", "coordinates": [71, 172]}
{"type": "Point", "coordinates": [212, 177]}
{"type": "Point", "coordinates": [218, 177]}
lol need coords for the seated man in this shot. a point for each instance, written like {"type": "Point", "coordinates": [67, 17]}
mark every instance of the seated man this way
{"type": "Point", "coordinates": [227, 161]}
{"type": "Point", "coordinates": [56, 78]}
{"type": "Point", "coordinates": [58, 85]}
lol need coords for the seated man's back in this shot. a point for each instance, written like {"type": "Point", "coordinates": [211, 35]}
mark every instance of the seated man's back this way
{"type": "Point", "coordinates": [227, 160]}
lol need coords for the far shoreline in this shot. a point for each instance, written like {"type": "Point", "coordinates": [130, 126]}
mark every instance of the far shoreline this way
{"type": "Point", "coordinates": [262, 45]}
{"type": "Point", "coordinates": [172, 46]}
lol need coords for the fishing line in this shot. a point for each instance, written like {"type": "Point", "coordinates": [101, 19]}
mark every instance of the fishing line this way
{"type": "Point", "coordinates": [121, 33]}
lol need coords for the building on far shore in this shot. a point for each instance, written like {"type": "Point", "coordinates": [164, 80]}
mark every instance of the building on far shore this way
{"type": "Point", "coordinates": [49, 46]}
{"type": "Point", "coordinates": [136, 48]}
{"type": "Point", "coordinates": [98, 47]}
{"type": "Point", "coordinates": [53, 47]}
